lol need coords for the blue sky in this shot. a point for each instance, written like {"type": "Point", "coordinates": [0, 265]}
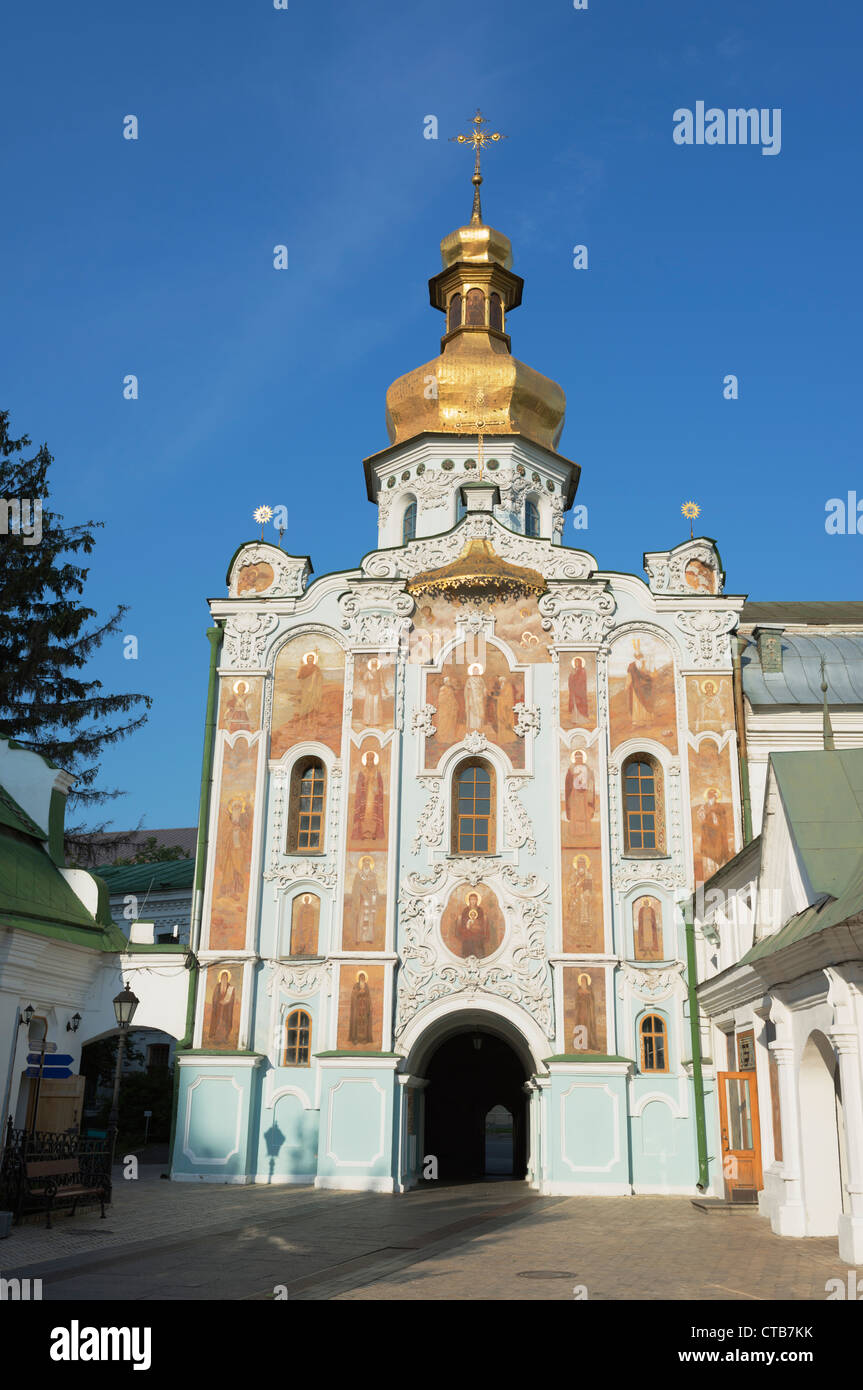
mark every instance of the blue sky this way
{"type": "Point", "coordinates": [305, 127]}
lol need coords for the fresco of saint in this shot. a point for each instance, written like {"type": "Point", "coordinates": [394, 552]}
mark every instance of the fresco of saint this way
{"type": "Point", "coordinates": [305, 915]}
{"type": "Point", "coordinates": [360, 1016]}
{"type": "Point", "coordinates": [700, 577]}
{"type": "Point", "coordinates": [647, 915]}
{"type": "Point", "coordinates": [641, 691]}
{"type": "Point", "coordinates": [584, 1010]}
{"type": "Point", "coordinates": [472, 923]}
{"type": "Point", "coordinates": [714, 839]}
{"type": "Point", "coordinates": [368, 822]}
{"type": "Point", "coordinates": [365, 893]}
{"type": "Point", "coordinates": [474, 698]}
{"type": "Point", "coordinates": [579, 796]}
{"type": "Point", "coordinates": [577, 689]}
{"type": "Point", "coordinates": [369, 701]}
{"type": "Point", "coordinates": [308, 691]}
{"type": "Point", "coordinates": [253, 579]}
{"type": "Point", "coordinates": [222, 1010]}
{"type": "Point", "coordinates": [582, 932]}
{"type": "Point", "coordinates": [447, 716]}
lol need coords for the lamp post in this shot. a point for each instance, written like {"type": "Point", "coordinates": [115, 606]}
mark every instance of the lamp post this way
{"type": "Point", "coordinates": [125, 1005]}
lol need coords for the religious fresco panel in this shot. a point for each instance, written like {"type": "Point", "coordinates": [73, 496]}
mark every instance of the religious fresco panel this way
{"type": "Point", "coordinates": [641, 691]}
{"type": "Point", "coordinates": [647, 928]}
{"type": "Point", "coordinates": [577, 690]}
{"type": "Point", "coordinates": [365, 911]}
{"type": "Point", "coordinates": [700, 577]}
{"type": "Point", "coordinates": [240, 703]}
{"type": "Point", "coordinates": [374, 691]}
{"type": "Point", "coordinates": [580, 801]}
{"type": "Point", "coordinates": [712, 808]}
{"type": "Point", "coordinates": [711, 706]}
{"type": "Point", "coordinates": [232, 856]}
{"type": "Point", "coordinates": [308, 693]}
{"type": "Point", "coordinates": [305, 924]}
{"type": "Point", "coordinates": [475, 692]}
{"type": "Point", "coordinates": [518, 623]}
{"type": "Point", "coordinates": [222, 999]}
{"type": "Point", "coordinates": [472, 923]}
{"type": "Point", "coordinates": [583, 929]}
{"type": "Point", "coordinates": [361, 1007]}
{"type": "Point", "coordinates": [368, 796]}
{"type": "Point", "coordinates": [584, 1010]}
{"type": "Point", "coordinates": [254, 579]}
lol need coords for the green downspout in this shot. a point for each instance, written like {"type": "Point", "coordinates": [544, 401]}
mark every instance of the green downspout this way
{"type": "Point", "coordinates": [214, 636]}
{"type": "Point", "coordinates": [695, 1033]}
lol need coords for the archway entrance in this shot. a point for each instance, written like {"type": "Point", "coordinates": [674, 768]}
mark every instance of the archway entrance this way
{"type": "Point", "coordinates": [820, 1114]}
{"type": "Point", "coordinates": [476, 1108]}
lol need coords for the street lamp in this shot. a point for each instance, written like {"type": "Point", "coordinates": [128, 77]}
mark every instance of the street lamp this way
{"type": "Point", "coordinates": [125, 1005]}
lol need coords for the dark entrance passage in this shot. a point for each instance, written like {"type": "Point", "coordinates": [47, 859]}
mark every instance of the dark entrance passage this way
{"type": "Point", "coordinates": [475, 1108]}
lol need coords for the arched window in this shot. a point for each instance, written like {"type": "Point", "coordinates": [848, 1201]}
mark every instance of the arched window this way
{"type": "Point", "coordinates": [409, 523]}
{"type": "Point", "coordinates": [654, 1044]}
{"type": "Point", "coordinates": [298, 1039]}
{"type": "Point", "coordinates": [531, 518]}
{"type": "Point", "coordinates": [643, 815]}
{"type": "Point", "coordinates": [475, 307]}
{"type": "Point", "coordinates": [495, 313]}
{"type": "Point", "coordinates": [454, 312]}
{"type": "Point", "coordinates": [460, 508]}
{"type": "Point", "coordinates": [307, 807]}
{"type": "Point", "coordinates": [473, 809]}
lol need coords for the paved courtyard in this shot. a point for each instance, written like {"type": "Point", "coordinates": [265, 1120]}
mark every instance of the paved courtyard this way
{"type": "Point", "coordinates": [490, 1240]}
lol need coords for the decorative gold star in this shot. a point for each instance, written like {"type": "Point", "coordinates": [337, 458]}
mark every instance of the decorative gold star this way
{"type": "Point", "coordinates": [262, 515]}
{"type": "Point", "coordinates": [691, 510]}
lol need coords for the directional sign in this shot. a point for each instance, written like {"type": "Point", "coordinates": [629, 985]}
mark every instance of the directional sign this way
{"type": "Point", "coordinates": [43, 1047]}
{"type": "Point", "coordinates": [49, 1073]}
{"type": "Point", "coordinates": [58, 1059]}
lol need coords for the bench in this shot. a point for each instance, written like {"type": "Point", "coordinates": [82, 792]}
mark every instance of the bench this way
{"type": "Point", "coordinates": [52, 1180]}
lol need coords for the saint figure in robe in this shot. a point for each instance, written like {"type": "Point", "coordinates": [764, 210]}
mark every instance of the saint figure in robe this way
{"type": "Point", "coordinates": [649, 946]}
{"type": "Point", "coordinates": [364, 902]}
{"type": "Point", "coordinates": [311, 688]}
{"type": "Point", "coordinates": [473, 928]}
{"type": "Point", "coordinates": [372, 711]}
{"type": "Point", "coordinates": [369, 800]}
{"type": "Point", "coordinates": [577, 687]}
{"type": "Point", "coordinates": [447, 715]}
{"type": "Point", "coordinates": [580, 904]}
{"type": "Point", "coordinates": [474, 698]}
{"type": "Point", "coordinates": [360, 1022]}
{"type": "Point", "coordinates": [640, 693]}
{"type": "Point", "coordinates": [584, 1034]}
{"type": "Point", "coordinates": [222, 1009]}
{"type": "Point", "coordinates": [579, 794]}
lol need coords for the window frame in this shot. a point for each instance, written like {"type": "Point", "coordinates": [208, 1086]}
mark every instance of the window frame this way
{"type": "Point", "coordinates": [303, 764]}
{"type": "Point", "coordinates": [658, 850]}
{"type": "Point", "coordinates": [463, 766]}
{"type": "Point", "coordinates": [651, 1037]}
{"type": "Point", "coordinates": [304, 1026]}
{"type": "Point", "coordinates": [410, 510]}
{"type": "Point", "coordinates": [531, 508]}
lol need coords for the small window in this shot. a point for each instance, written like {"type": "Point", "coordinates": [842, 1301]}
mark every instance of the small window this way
{"type": "Point", "coordinates": [495, 313]}
{"type": "Point", "coordinates": [409, 523]}
{"type": "Point", "coordinates": [654, 1049]}
{"type": "Point", "coordinates": [460, 508]}
{"type": "Point", "coordinates": [643, 821]}
{"type": "Point", "coordinates": [473, 818]}
{"type": "Point", "coordinates": [531, 518]}
{"type": "Point", "coordinates": [455, 312]}
{"type": "Point", "coordinates": [306, 819]}
{"type": "Point", "coordinates": [298, 1039]}
{"type": "Point", "coordinates": [475, 307]}
{"type": "Point", "coordinates": [158, 1056]}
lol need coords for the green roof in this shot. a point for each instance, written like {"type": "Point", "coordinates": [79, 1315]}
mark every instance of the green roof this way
{"type": "Point", "coordinates": [164, 876]}
{"type": "Point", "coordinates": [823, 797]}
{"type": "Point", "coordinates": [822, 793]}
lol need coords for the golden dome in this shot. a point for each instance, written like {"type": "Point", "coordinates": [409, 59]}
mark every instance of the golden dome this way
{"type": "Point", "coordinates": [517, 399]}
{"type": "Point", "coordinates": [475, 288]}
{"type": "Point", "coordinates": [477, 572]}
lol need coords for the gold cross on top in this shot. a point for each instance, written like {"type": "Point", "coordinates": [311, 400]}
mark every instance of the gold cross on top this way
{"type": "Point", "coordinates": [479, 138]}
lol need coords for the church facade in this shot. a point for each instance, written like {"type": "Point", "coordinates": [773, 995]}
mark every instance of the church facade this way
{"type": "Point", "coordinates": [454, 796]}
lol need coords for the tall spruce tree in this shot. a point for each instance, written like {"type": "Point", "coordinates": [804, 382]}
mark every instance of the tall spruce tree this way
{"type": "Point", "coordinates": [46, 635]}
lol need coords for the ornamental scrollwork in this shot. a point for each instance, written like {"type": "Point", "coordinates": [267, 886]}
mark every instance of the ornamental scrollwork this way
{"type": "Point", "coordinates": [518, 830]}
{"type": "Point", "coordinates": [527, 719]}
{"type": "Point", "coordinates": [246, 637]}
{"type": "Point", "coordinates": [706, 634]}
{"type": "Point", "coordinates": [421, 720]}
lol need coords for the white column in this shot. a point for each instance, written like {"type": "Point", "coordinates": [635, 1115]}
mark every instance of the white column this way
{"type": "Point", "coordinates": [789, 1218]}
{"type": "Point", "coordinates": [846, 1041]}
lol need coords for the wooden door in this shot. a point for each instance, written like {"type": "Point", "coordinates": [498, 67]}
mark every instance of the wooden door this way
{"type": "Point", "coordinates": [60, 1105]}
{"type": "Point", "coordinates": [741, 1134]}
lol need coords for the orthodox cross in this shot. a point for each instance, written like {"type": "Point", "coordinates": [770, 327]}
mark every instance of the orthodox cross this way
{"type": "Point", "coordinates": [479, 138]}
